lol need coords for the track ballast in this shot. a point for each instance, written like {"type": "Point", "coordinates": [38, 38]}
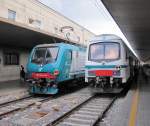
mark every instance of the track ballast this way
{"type": "Point", "coordinates": [86, 114]}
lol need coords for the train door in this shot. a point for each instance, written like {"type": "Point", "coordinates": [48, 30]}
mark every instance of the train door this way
{"type": "Point", "coordinates": [67, 64]}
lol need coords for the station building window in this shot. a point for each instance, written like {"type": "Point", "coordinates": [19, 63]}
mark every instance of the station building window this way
{"type": "Point", "coordinates": [11, 58]}
{"type": "Point", "coordinates": [11, 14]}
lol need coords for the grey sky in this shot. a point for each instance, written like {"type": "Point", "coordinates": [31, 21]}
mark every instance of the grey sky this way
{"type": "Point", "coordinates": [87, 13]}
{"type": "Point", "coordinates": [91, 14]}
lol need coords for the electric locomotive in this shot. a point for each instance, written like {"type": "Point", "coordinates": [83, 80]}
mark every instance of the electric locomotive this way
{"type": "Point", "coordinates": [51, 64]}
{"type": "Point", "coordinates": [109, 64]}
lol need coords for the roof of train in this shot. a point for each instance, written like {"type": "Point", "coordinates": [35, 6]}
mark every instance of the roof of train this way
{"type": "Point", "coordinates": [54, 44]}
{"type": "Point", "coordinates": [45, 45]}
{"type": "Point", "coordinates": [105, 37]}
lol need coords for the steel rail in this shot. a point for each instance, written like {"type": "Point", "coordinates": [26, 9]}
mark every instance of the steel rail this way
{"type": "Point", "coordinates": [13, 101]}
{"type": "Point", "coordinates": [21, 108]}
{"type": "Point", "coordinates": [104, 112]}
{"type": "Point", "coordinates": [78, 107]}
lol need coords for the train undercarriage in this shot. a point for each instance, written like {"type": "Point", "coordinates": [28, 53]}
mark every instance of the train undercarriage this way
{"type": "Point", "coordinates": [42, 86]}
{"type": "Point", "coordinates": [106, 85]}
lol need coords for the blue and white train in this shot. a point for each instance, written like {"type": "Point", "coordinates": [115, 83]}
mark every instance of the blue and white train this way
{"type": "Point", "coordinates": [109, 64]}
{"type": "Point", "coordinates": [50, 65]}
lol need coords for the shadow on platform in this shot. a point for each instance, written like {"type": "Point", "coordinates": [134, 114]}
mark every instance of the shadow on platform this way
{"type": "Point", "coordinates": [12, 87]}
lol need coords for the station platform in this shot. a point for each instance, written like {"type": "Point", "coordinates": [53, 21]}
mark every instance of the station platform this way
{"type": "Point", "coordinates": [132, 109]}
{"type": "Point", "coordinates": [11, 87]}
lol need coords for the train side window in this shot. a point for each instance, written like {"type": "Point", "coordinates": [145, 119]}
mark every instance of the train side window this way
{"type": "Point", "coordinates": [69, 55]}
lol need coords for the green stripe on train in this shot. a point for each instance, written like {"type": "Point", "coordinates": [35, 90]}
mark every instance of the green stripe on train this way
{"type": "Point", "coordinates": [104, 66]}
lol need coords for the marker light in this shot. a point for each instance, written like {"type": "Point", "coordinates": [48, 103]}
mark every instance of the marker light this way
{"type": "Point", "coordinates": [56, 72]}
{"type": "Point", "coordinates": [118, 67]}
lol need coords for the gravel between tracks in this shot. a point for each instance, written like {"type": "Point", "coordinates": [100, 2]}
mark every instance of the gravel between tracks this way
{"type": "Point", "coordinates": [14, 96]}
{"type": "Point", "coordinates": [48, 112]}
{"type": "Point", "coordinates": [88, 113]}
{"type": "Point", "coordinates": [16, 106]}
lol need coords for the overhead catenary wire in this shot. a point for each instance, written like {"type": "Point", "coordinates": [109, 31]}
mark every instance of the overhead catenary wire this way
{"type": "Point", "coordinates": [100, 9]}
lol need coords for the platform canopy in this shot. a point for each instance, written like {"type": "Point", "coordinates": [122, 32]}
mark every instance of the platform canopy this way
{"type": "Point", "coordinates": [18, 35]}
{"type": "Point", "coordinates": [133, 18]}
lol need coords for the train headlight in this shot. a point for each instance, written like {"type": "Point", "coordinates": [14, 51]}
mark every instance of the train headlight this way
{"type": "Point", "coordinates": [56, 72]}
{"type": "Point", "coordinates": [118, 67]}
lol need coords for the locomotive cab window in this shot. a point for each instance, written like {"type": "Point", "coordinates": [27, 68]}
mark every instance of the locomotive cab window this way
{"type": "Point", "coordinates": [45, 55]}
{"type": "Point", "coordinates": [104, 51]}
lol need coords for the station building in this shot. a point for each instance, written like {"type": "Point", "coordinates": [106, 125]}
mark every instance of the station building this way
{"type": "Point", "coordinates": [26, 23]}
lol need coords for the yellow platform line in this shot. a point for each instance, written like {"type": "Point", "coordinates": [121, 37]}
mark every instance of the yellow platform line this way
{"type": "Point", "coordinates": [134, 108]}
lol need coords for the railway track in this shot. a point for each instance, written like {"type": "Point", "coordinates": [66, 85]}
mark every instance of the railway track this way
{"type": "Point", "coordinates": [16, 105]}
{"type": "Point", "coordinates": [88, 113]}
{"type": "Point", "coordinates": [19, 104]}
{"type": "Point", "coordinates": [13, 97]}
{"type": "Point", "coordinates": [13, 101]}
{"type": "Point", "coordinates": [77, 109]}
